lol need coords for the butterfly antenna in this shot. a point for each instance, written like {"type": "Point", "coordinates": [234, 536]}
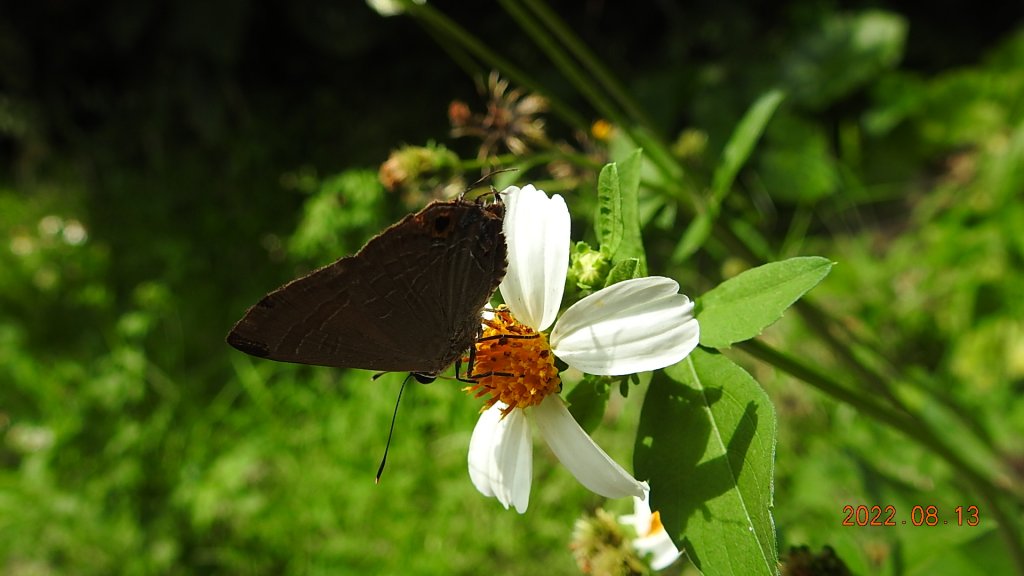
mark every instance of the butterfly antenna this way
{"type": "Point", "coordinates": [391, 430]}
{"type": "Point", "coordinates": [485, 178]}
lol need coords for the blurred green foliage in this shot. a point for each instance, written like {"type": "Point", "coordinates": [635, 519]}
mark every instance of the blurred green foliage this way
{"type": "Point", "coordinates": [165, 165]}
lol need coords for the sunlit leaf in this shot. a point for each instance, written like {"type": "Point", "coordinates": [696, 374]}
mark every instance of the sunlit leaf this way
{"type": "Point", "coordinates": [609, 209]}
{"type": "Point", "coordinates": [741, 307]}
{"type": "Point", "coordinates": [742, 141]}
{"type": "Point", "coordinates": [696, 234]}
{"type": "Point", "coordinates": [618, 217]}
{"type": "Point", "coordinates": [706, 445]}
{"type": "Point", "coordinates": [736, 152]}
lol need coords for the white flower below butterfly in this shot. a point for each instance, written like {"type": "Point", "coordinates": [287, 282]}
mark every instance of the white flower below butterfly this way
{"type": "Point", "coordinates": [633, 326]}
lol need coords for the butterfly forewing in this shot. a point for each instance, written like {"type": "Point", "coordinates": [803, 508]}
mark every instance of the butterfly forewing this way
{"type": "Point", "coordinates": [409, 301]}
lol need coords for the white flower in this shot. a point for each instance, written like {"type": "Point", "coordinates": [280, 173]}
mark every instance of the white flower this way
{"type": "Point", "coordinates": [652, 538]}
{"type": "Point", "coordinates": [390, 7]}
{"type": "Point", "coordinates": [633, 326]}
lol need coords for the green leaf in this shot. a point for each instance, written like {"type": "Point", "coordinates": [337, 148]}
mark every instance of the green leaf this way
{"type": "Point", "coordinates": [618, 216]}
{"type": "Point", "coordinates": [706, 444]}
{"type": "Point", "coordinates": [696, 234]}
{"type": "Point", "coordinates": [737, 150]}
{"type": "Point", "coordinates": [587, 401]}
{"type": "Point", "coordinates": [609, 209]}
{"type": "Point", "coordinates": [624, 270]}
{"type": "Point", "coordinates": [741, 307]}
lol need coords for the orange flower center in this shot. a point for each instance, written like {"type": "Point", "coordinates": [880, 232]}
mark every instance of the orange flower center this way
{"type": "Point", "coordinates": [655, 523]}
{"type": "Point", "coordinates": [511, 363]}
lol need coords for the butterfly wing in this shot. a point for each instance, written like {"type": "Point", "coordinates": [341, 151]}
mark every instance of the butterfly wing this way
{"type": "Point", "coordinates": [408, 301]}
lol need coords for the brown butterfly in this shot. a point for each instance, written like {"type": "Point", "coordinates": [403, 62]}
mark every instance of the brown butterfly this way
{"type": "Point", "coordinates": [408, 301]}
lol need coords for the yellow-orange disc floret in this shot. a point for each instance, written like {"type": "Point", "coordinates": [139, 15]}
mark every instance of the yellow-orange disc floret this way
{"type": "Point", "coordinates": [512, 363]}
{"type": "Point", "coordinates": [656, 525]}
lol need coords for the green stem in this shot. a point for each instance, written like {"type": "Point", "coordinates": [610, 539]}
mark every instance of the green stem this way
{"type": "Point", "coordinates": [828, 385]}
{"type": "Point", "coordinates": [656, 150]}
{"type": "Point", "coordinates": [590, 63]}
{"type": "Point", "coordinates": [1008, 528]}
{"type": "Point", "coordinates": [449, 29]}
{"type": "Point", "coordinates": [869, 345]}
{"type": "Point", "coordinates": [909, 426]}
{"type": "Point", "coordinates": [515, 160]}
{"type": "Point", "coordinates": [819, 322]}
{"type": "Point", "coordinates": [906, 423]}
{"type": "Point", "coordinates": [561, 60]}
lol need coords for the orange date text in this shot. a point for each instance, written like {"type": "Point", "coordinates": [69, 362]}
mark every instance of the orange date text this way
{"type": "Point", "coordinates": [920, 515]}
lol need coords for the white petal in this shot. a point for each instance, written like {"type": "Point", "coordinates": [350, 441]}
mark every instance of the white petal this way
{"type": "Point", "coordinates": [501, 457]}
{"type": "Point", "coordinates": [585, 459]}
{"type": "Point", "coordinates": [633, 326]}
{"type": "Point", "coordinates": [657, 543]}
{"type": "Point", "coordinates": [660, 546]}
{"type": "Point", "coordinates": [537, 234]}
{"type": "Point", "coordinates": [640, 519]}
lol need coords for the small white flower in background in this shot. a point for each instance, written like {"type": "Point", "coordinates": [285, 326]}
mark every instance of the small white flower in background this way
{"type": "Point", "coordinates": [652, 538]}
{"type": "Point", "coordinates": [633, 326]}
{"type": "Point", "coordinates": [390, 7]}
